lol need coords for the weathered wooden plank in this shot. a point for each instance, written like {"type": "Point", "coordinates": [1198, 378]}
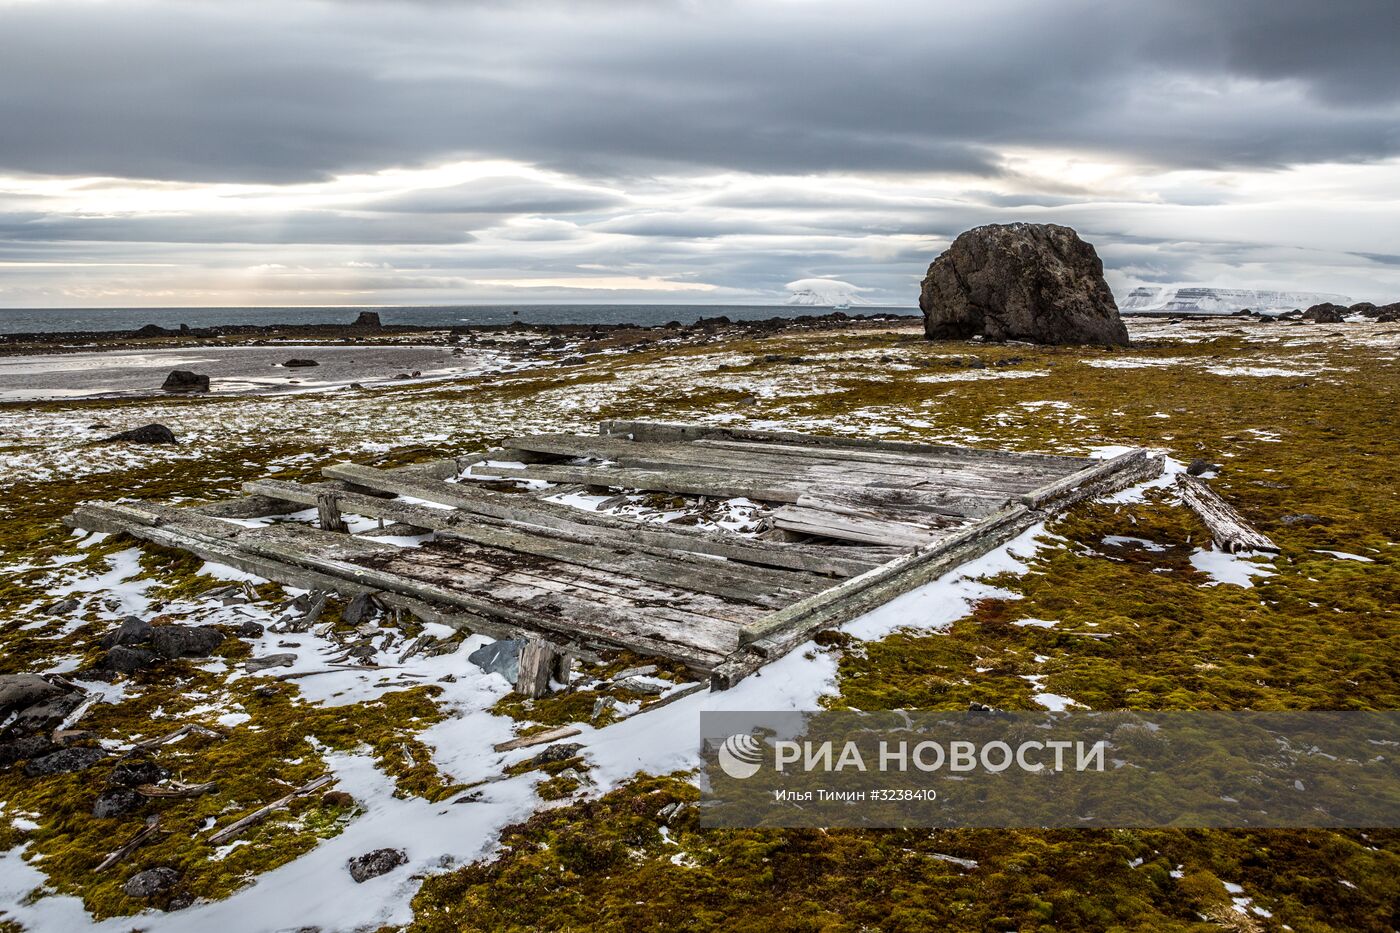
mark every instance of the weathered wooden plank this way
{"type": "Point", "coordinates": [780, 632]}
{"type": "Point", "coordinates": [760, 586]}
{"type": "Point", "coordinates": [657, 431]}
{"type": "Point", "coordinates": [840, 562]}
{"type": "Point", "coordinates": [538, 661]}
{"type": "Point", "coordinates": [1228, 528]}
{"type": "Point", "coordinates": [178, 529]}
{"type": "Point", "coordinates": [1051, 491]}
{"type": "Point", "coordinates": [788, 461]}
{"type": "Point", "coordinates": [815, 520]}
{"type": "Point", "coordinates": [1009, 462]}
{"type": "Point", "coordinates": [700, 482]}
{"type": "Point", "coordinates": [328, 512]}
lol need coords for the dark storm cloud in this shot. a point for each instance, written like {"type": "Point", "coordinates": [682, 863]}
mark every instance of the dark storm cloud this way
{"type": "Point", "coordinates": [296, 91]}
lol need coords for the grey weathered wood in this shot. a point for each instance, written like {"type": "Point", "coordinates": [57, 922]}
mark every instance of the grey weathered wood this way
{"type": "Point", "coordinates": [1007, 462]}
{"type": "Point", "coordinates": [657, 431]}
{"type": "Point", "coordinates": [710, 482]}
{"type": "Point", "coordinates": [780, 632]}
{"type": "Point", "coordinates": [1228, 528]}
{"type": "Point", "coordinates": [761, 586]}
{"type": "Point", "coordinates": [769, 462]}
{"type": "Point", "coordinates": [1051, 491]}
{"type": "Point", "coordinates": [538, 662]}
{"type": "Point", "coordinates": [810, 517]}
{"type": "Point", "coordinates": [468, 498]}
{"type": "Point", "coordinates": [181, 529]}
{"type": "Point", "coordinates": [329, 513]}
{"type": "Point", "coordinates": [539, 738]}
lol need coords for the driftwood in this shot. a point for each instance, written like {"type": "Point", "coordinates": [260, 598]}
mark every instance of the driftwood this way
{"type": "Point", "coordinates": [177, 789]}
{"type": "Point", "coordinates": [539, 738]}
{"type": "Point", "coordinates": [189, 728]}
{"type": "Point", "coordinates": [131, 845]}
{"type": "Point", "coordinates": [257, 816]}
{"type": "Point", "coordinates": [1228, 528]}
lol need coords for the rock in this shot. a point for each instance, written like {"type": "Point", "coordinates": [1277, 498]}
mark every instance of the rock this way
{"type": "Point", "coordinates": [151, 330]}
{"type": "Point", "coordinates": [1390, 317]}
{"type": "Point", "coordinates": [147, 434]}
{"type": "Point", "coordinates": [116, 802]}
{"type": "Point", "coordinates": [30, 746]}
{"type": "Point", "coordinates": [1325, 313]}
{"type": "Point", "coordinates": [62, 607]}
{"type": "Point", "coordinates": [185, 641]}
{"type": "Point", "coordinates": [636, 685]}
{"type": "Point", "coordinates": [560, 752]}
{"type": "Point", "coordinates": [300, 364]}
{"type": "Point", "coordinates": [1037, 282]}
{"type": "Point", "coordinates": [249, 629]}
{"type": "Point", "coordinates": [272, 660]}
{"type": "Point", "coordinates": [46, 715]}
{"type": "Point", "coordinates": [1199, 466]}
{"type": "Point", "coordinates": [355, 611]}
{"type": "Point", "coordinates": [20, 690]}
{"type": "Point", "coordinates": [133, 631]}
{"type": "Point", "coordinates": [376, 863]}
{"type": "Point", "coordinates": [601, 707]}
{"type": "Point", "coordinates": [183, 380]}
{"type": "Point", "coordinates": [1365, 308]}
{"type": "Point", "coordinates": [1303, 519]}
{"type": "Point", "coordinates": [64, 761]}
{"type": "Point", "coordinates": [645, 670]}
{"type": "Point", "coordinates": [125, 659]}
{"type": "Point", "coordinates": [135, 773]}
{"type": "Point", "coordinates": [151, 882]}
{"type": "Point", "coordinates": [367, 319]}
{"type": "Point", "coordinates": [499, 657]}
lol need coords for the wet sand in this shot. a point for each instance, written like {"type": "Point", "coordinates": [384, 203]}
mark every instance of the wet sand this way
{"type": "Point", "coordinates": [241, 370]}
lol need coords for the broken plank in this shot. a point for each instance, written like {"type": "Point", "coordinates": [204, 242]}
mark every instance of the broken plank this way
{"type": "Point", "coordinates": [658, 431]}
{"type": "Point", "coordinates": [1228, 528]}
{"type": "Point", "coordinates": [814, 520]}
{"type": "Point", "coordinates": [516, 508]}
{"type": "Point", "coordinates": [1038, 498]}
{"type": "Point", "coordinates": [761, 586]}
{"type": "Point", "coordinates": [539, 738]}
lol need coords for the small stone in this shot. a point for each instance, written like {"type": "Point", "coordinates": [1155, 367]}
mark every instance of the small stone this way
{"type": "Point", "coordinates": [136, 773]}
{"type": "Point", "coordinates": [124, 659]}
{"type": "Point", "coordinates": [356, 609]}
{"type": "Point", "coordinates": [45, 716]}
{"type": "Point", "coordinates": [63, 607]}
{"type": "Point", "coordinates": [116, 802]}
{"type": "Point", "coordinates": [1199, 466]}
{"type": "Point", "coordinates": [183, 380]}
{"type": "Point", "coordinates": [636, 685]}
{"type": "Point", "coordinates": [151, 882]}
{"type": "Point", "coordinates": [185, 641]}
{"type": "Point", "coordinates": [147, 434]}
{"type": "Point", "coordinates": [376, 863]}
{"type": "Point", "coordinates": [499, 657]}
{"type": "Point", "coordinates": [249, 629]}
{"type": "Point", "coordinates": [31, 746]}
{"type": "Point", "coordinates": [133, 631]}
{"type": "Point", "coordinates": [20, 690]}
{"type": "Point", "coordinates": [601, 707]}
{"type": "Point", "coordinates": [644, 670]}
{"type": "Point", "coordinates": [64, 761]}
{"type": "Point", "coordinates": [300, 364]}
{"type": "Point", "coordinates": [447, 679]}
{"type": "Point", "coordinates": [272, 660]}
{"type": "Point", "coordinates": [1303, 519]}
{"type": "Point", "coordinates": [559, 752]}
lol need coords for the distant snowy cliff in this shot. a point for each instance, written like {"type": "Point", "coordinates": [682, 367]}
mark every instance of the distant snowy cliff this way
{"type": "Point", "coordinates": [1178, 299]}
{"type": "Point", "coordinates": [824, 293]}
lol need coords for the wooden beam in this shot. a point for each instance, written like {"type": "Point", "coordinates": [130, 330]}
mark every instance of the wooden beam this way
{"type": "Point", "coordinates": [329, 513]}
{"type": "Point", "coordinates": [1228, 528]}
{"type": "Point", "coordinates": [657, 431]}
{"type": "Point", "coordinates": [1037, 498]}
{"type": "Point", "coordinates": [760, 586]}
{"type": "Point", "coordinates": [538, 662]}
{"type": "Point", "coordinates": [472, 499]}
{"type": "Point", "coordinates": [780, 632]}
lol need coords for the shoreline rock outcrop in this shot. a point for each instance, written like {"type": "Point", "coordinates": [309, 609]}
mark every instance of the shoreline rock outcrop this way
{"type": "Point", "coordinates": [1021, 281]}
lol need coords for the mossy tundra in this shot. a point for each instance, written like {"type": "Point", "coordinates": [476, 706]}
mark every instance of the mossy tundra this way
{"type": "Point", "coordinates": [1302, 420]}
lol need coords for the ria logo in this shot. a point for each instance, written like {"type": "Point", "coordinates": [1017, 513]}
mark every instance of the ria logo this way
{"type": "Point", "coordinates": [741, 756]}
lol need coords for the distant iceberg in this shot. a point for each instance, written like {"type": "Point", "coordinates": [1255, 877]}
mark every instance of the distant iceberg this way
{"type": "Point", "coordinates": [824, 293]}
{"type": "Point", "coordinates": [1195, 299]}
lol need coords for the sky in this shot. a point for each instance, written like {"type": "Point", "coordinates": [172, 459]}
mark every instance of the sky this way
{"type": "Point", "coordinates": [341, 152]}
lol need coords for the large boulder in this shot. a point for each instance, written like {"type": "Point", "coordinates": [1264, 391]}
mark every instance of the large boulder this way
{"type": "Point", "coordinates": [183, 380]}
{"type": "Point", "coordinates": [1037, 282]}
{"type": "Point", "coordinates": [146, 434]}
{"type": "Point", "coordinates": [18, 691]}
{"type": "Point", "coordinates": [1325, 313]}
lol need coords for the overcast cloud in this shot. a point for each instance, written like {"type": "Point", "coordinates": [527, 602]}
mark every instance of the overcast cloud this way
{"type": "Point", "coordinates": [360, 152]}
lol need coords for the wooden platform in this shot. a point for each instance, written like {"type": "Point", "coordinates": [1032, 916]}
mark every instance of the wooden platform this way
{"type": "Point", "coordinates": [851, 523]}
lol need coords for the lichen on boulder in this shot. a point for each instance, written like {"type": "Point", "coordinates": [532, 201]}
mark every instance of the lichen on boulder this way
{"type": "Point", "coordinates": [1036, 282]}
